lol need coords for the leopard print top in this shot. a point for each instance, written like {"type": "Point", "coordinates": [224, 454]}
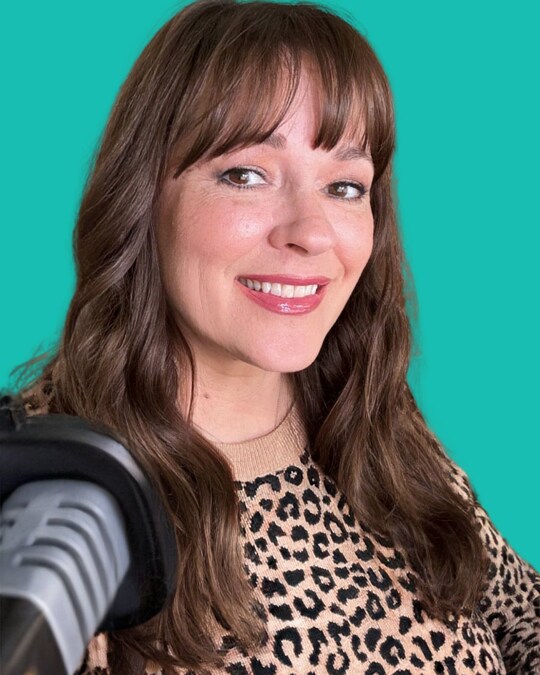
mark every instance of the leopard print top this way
{"type": "Point", "coordinates": [339, 599]}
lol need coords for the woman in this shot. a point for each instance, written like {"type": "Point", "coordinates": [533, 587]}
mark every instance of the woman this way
{"type": "Point", "coordinates": [239, 317]}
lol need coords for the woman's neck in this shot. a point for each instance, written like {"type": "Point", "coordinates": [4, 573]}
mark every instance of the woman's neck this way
{"type": "Point", "coordinates": [229, 409]}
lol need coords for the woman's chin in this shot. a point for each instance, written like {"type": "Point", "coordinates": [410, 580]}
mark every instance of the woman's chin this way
{"type": "Point", "coordinates": [286, 362]}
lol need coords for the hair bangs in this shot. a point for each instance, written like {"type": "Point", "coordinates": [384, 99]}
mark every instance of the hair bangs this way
{"type": "Point", "coordinates": [355, 103]}
{"type": "Point", "coordinates": [253, 73]}
{"type": "Point", "coordinates": [253, 103]}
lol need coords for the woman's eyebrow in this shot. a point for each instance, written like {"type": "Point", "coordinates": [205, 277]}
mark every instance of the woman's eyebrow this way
{"type": "Point", "coordinates": [352, 152]}
{"type": "Point", "coordinates": [279, 142]}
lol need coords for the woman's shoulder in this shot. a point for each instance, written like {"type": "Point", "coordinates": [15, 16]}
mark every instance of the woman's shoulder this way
{"type": "Point", "coordinates": [96, 658]}
{"type": "Point", "coordinates": [99, 659]}
{"type": "Point", "coordinates": [36, 400]}
{"type": "Point", "coordinates": [460, 481]}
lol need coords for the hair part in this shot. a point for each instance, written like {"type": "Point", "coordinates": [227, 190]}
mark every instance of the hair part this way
{"type": "Point", "coordinates": [180, 103]}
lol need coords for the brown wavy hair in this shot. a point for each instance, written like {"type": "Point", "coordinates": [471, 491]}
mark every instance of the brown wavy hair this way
{"type": "Point", "coordinates": [218, 75]}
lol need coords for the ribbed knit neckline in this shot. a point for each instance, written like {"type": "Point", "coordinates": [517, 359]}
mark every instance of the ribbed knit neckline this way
{"type": "Point", "coordinates": [266, 454]}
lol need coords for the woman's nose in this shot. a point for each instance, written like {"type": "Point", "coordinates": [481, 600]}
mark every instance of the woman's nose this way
{"type": "Point", "coordinates": [300, 221]}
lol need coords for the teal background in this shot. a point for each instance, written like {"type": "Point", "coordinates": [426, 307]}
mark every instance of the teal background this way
{"type": "Point", "coordinates": [465, 81]}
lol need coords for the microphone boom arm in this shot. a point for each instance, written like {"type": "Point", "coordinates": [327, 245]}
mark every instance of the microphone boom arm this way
{"type": "Point", "coordinates": [80, 517]}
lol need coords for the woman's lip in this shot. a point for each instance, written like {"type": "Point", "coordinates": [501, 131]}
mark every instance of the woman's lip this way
{"type": "Point", "coordinates": [286, 279]}
{"type": "Point", "coordinates": [280, 305]}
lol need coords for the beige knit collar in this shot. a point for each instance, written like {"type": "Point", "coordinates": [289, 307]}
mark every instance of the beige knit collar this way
{"type": "Point", "coordinates": [269, 453]}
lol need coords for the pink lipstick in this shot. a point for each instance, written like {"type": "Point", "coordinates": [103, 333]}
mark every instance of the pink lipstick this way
{"type": "Point", "coordinates": [268, 292]}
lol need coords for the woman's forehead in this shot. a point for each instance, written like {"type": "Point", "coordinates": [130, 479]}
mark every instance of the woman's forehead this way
{"type": "Point", "coordinates": [350, 143]}
{"type": "Point", "coordinates": [347, 149]}
{"type": "Point", "coordinates": [242, 120]}
{"type": "Point", "coordinates": [314, 92]}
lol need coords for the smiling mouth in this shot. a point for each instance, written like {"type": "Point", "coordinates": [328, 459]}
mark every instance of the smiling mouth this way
{"type": "Point", "coordinates": [276, 294]}
{"type": "Point", "coordinates": [280, 290]}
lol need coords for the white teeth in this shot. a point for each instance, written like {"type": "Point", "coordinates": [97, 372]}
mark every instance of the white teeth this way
{"type": "Point", "coordinates": [287, 291]}
{"type": "Point", "coordinates": [281, 290]}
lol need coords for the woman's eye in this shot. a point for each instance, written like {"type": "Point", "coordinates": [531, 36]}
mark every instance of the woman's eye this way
{"type": "Point", "coordinates": [239, 177]}
{"type": "Point", "coordinates": [349, 191]}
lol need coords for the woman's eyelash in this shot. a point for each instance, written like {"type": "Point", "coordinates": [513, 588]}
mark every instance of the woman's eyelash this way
{"type": "Point", "coordinates": [358, 186]}
{"type": "Point", "coordinates": [240, 169]}
{"type": "Point", "coordinates": [244, 169]}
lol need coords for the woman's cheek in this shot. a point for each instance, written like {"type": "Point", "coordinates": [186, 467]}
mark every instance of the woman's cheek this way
{"type": "Point", "coordinates": [355, 241]}
{"type": "Point", "coordinates": [232, 224]}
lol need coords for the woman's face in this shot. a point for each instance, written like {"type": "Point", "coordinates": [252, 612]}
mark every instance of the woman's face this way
{"type": "Point", "coordinates": [282, 215]}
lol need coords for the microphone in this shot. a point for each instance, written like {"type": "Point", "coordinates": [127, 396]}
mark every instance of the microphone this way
{"type": "Point", "coordinates": [85, 545]}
